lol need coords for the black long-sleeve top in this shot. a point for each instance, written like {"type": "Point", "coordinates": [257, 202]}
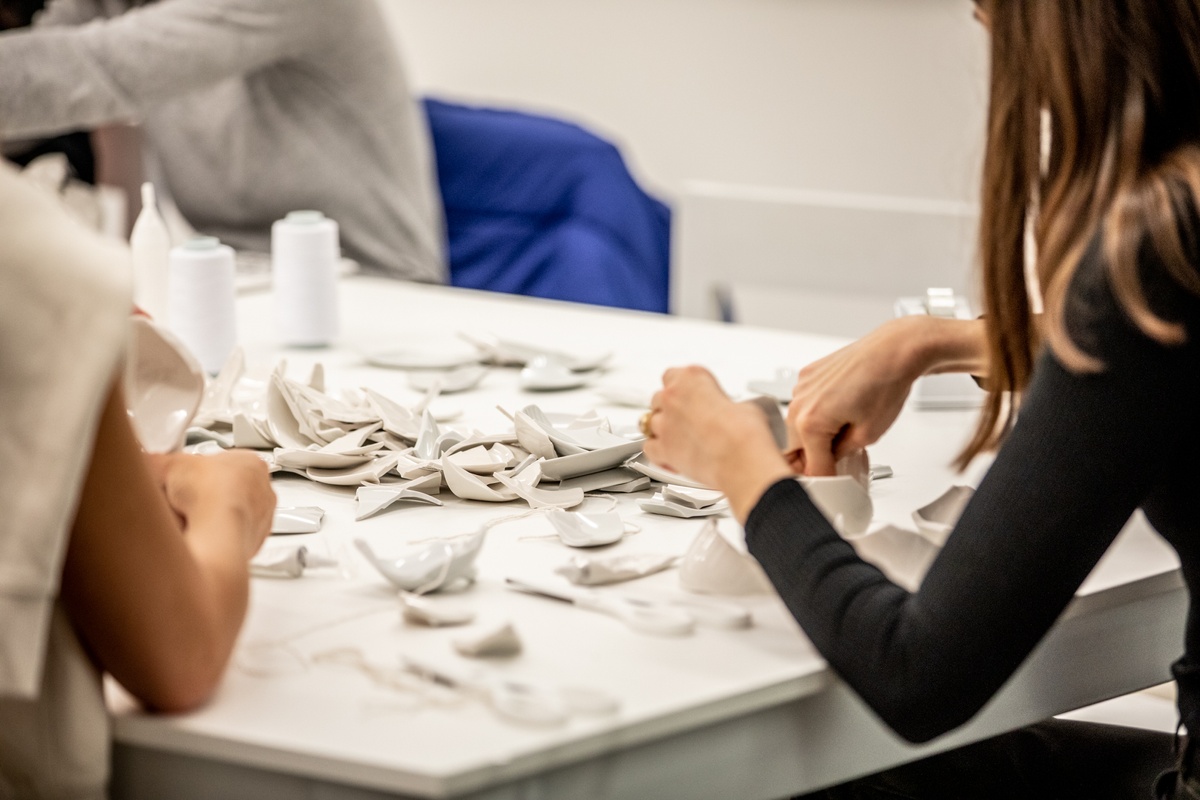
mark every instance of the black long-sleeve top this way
{"type": "Point", "coordinates": [1086, 451]}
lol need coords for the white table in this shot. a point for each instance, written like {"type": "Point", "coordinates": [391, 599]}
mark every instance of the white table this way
{"type": "Point", "coordinates": [747, 714]}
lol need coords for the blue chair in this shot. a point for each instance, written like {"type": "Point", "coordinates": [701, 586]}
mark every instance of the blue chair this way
{"type": "Point", "coordinates": [537, 206]}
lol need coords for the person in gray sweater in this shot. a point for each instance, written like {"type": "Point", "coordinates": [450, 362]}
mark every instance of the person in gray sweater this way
{"type": "Point", "coordinates": [252, 108]}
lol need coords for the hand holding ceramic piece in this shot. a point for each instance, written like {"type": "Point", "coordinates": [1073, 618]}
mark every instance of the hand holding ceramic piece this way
{"type": "Point", "coordinates": [164, 385]}
{"type": "Point", "coordinates": [712, 565]}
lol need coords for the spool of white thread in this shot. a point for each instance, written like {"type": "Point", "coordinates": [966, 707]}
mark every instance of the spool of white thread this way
{"type": "Point", "coordinates": [200, 300]}
{"type": "Point", "coordinates": [304, 263]}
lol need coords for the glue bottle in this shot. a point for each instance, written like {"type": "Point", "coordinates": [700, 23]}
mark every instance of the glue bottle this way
{"type": "Point", "coordinates": [151, 246]}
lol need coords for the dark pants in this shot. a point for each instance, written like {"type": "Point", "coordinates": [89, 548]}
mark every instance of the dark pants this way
{"type": "Point", "coordinates": [1053, 759]}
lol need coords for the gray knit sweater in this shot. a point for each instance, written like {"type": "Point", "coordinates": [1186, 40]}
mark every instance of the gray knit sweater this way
{"type": "Point", "coordinates": [253, 107]}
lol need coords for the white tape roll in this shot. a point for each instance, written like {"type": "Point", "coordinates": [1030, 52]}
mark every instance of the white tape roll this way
{"type": "Point", "coordinates": [304, 262]}
{"type": "Point", "coordinates": [200, 300]}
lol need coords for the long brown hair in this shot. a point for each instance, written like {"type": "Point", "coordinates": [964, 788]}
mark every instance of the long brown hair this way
{"type": "Point", "coordinates": [1119, 81]}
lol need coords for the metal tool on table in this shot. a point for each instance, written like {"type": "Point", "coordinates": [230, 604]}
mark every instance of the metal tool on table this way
{"type": "Point", "coordinates": [646, 616]}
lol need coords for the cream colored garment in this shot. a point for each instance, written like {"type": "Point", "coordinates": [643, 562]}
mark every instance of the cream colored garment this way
{"type": "Point", "coordinates": [64, 299]}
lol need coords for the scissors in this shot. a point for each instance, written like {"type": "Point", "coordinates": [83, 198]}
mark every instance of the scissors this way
{"type": "Point", "coordinates": [646, 616]}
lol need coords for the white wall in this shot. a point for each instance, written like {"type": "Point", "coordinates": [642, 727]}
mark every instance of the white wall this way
{"type": "Point", "coordinates": [881, 96]}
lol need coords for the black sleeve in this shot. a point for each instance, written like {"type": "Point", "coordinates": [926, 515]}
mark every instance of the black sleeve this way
{"type": "Point", "coordinates": [1085, 452]}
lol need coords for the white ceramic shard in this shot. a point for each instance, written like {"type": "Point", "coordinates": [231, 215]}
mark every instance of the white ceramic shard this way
{"type": "Point", "coordinates": [353, 441]}
{"type": "Point", "coordinates": [285, 427]}
{"type": "Point", "coordinates": [397, 419]}
{"type": "Point", "coordinates": [937, 519]}
{"type": "Point", "coordinates": [217, 404]}
{"type": "Point", "coordinates": [533, 437]}
{"type": "Point", "coordinates": [507, 352]}
{"type": "Point", "coordinates": [688, 496]}
{"type": "Point", "coordinates": [459, 379]}
{"type": "Point", "coordinates": [778, 387]}
{"type": "Point", "coordinates": [448, 441]}
{"type": "Point", "coordinates": [319, 459]}
{"type": "Point", "coordinates": [606, 480]}
{"type": "Point", "coordinates": [904, 556]}
{"type": "Point", "coordinates": [297, 519]}
{"type": "Point", "coordinates": [247, 434]}
{"type": "Point", "coordinates": [197, 435]}
{"type": "Point", "coordinates": [374, 499]}
{"type": "Point", "coordinates": [316, 378]}
{"type": "Point", "coordinates": [541, 498]}
{"type": "Point", "coordinates": [481, 460]}
{"type": "Point", "coordinates": [843, 501]}
{"type": "Point", "coordinates": [449, 356]}
{"type": "Point", "coordinates": [558, 469]}
{"type": "Point", "coordinates": [638, 484]}
{"type": "Point", "coordinates": [657, 473]}
{"type": "Point", "coordinates": [543, 374]}
{"type": "Point", "coordinates": [427, 437]}
{"type": "Point", "coordinates": [420, 610]}
{"type": "Point", "coordinates": [712, 565]}
{"type": "Point", "coordinates": [469, 487]}
{"type": "Point", "coordinates": [434, 566]}
{"type": "Point", "coordinates": [495, 641]}
{"type": "Point", "coordinates": [288, 562]}
{"type": "Point", "coordinates": [586, 530]}
{"type": "Point", "coordinates": [658, 505]}
{"type": "Point", "coordinates": [164, 385]}
{"type": "Point", "coordinates": [604, 570]}
{"type": "Point", "coordinates": [370, 472]}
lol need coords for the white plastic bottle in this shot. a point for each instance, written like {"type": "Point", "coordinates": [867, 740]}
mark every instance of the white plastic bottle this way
{"type": "Point", "coordinates": [304, 262]}
{"type": "Point", "coordinates": [151, 246]}
{"type": "Point", "coordinates": [201, 300]}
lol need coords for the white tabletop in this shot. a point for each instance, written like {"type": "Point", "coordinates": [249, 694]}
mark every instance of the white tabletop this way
{"type": "Point", "coordinates": [685, 703]}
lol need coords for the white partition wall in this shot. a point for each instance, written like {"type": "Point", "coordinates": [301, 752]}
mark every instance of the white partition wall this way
{"type": "Point", "coordinates": [819, 261]}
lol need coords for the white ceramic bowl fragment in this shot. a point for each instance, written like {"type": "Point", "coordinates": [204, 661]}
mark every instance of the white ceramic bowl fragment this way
{"type": "Point", "coordinates": [164, 385]}
{"type": "Point", "coordinates": [712, 565]}
{"type": "Point", "coordinates": [576, 529]}
{"type": "Point", "coordinates": [843, 501]}
{"type": "Point", "coordinates": [498, 640]}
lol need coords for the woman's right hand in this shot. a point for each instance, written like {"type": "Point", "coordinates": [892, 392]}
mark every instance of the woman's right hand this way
{"type": "Point", "coordinates": [848, 400]}
{"type": "Point", "coordinates": [231, 490]}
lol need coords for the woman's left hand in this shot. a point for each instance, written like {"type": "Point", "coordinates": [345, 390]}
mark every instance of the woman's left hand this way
{"type": "Point", "coordinates": [696, 430]}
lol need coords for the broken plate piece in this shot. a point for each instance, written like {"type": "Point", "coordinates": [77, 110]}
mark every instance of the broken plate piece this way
{"type": "Point", "coordinates": [559, 469]}
{"type": "Point", "coordinates": [164, 385]}
{"type": "Point", "coordinates": [449, 356]}
{"type": "Point", "coordinates": [658, 504]}
{"type": "Point", "coordinates": [778, 387]}
{"type": "Point", "coordinates": [577, 529]}
{"type": "Point", "coordinates": [321, 459]}
{"type": "Point", "coordinates": [903, 555]}
{"type": "Point", "coordinates": [482, 460]}
{"type": "Point", "coordinates": [287, 562]}
{"type": "Point", "coordinates": [434, 566]}
{"type": "Point", "coordinates": [541, 498]}
{"type": "Point", "coordinates": [937, 519]}
{"type": "Point", "coordinates": [506, 352]}
{"type": "Point", "coordinates": [543, 374]}
{"type": "Point", "coordinates": [843, 501]}
{"type": "Point", "coordinates": [459, 379]}
{"type": "Point", "coordinates": [370, 472]}
{"type": "Point", "coordinates": [497, 641]}
{"type": "Point", "coordinates": [421, 610]}
{"type": "Point", "coordinates": [297, 519]}
{"type": "Point", "coordinates": [470, 487]}
{"type": "Point", "coordinates": [712, 565]}
{"type": "Point", "coordinates": [604, 570]}
{"type": "Point", "coordinates": [688, 496]}
{"type": "Point", "coordinates": [657, 473]}
{"type": "Point", "coordinates": [374, 499]}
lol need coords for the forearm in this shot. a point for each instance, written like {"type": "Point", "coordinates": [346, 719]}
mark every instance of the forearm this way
{"type": "Point", "coordinates": [937, 345]}
{"type": "Point", "coordinates": [159, 609]}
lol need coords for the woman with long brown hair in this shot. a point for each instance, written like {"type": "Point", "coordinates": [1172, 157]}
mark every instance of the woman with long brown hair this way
{"type": "Point", "coordinates": [1094, 147]}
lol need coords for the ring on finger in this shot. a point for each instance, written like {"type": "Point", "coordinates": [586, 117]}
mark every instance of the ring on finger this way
{"type": "Point", "coordinates": [644, 424]}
